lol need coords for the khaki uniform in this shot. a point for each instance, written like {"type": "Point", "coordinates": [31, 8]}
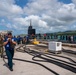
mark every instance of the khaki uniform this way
{"type": "Point", "coordinates": [1, 46]}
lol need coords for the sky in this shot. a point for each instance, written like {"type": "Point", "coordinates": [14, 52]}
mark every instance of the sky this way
{"type": "Point", "coordinates": [46, 15]}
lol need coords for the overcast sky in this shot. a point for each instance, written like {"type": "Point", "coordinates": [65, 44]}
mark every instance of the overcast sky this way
{"type": "Point", "coordinates": [46, 15]}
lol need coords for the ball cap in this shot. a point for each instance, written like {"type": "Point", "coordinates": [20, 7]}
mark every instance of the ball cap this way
{"type": "Point", "coordinates": [9, 33]}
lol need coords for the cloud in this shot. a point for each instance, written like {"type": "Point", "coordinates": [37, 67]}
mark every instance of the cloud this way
{"type": "Point", "coordinates": [54, 13]}
{"type": "Point", "coordinates": [25, 22]}
{"type": "Point", "coordinates": [8, 8]}
{"type": "Point", "coordinates": [74, 1]}
{"type": "Point", "coordinates": [46, 15]}
{"type": "Point", "coordinates": [39, 7]}
{"type": "Point", "coordinates": [9, 25]}
{"type": "Point", "coordinates": [67, 12]}
{"type": "Point", "coordinates": [2, 21]}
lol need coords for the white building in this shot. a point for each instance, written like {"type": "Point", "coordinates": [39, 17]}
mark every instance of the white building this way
{"type": "Point", "coordinates": [4, 32]}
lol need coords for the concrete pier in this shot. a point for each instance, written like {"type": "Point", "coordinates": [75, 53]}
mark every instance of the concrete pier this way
{"type": "Point", "coordinates": [34, 63]}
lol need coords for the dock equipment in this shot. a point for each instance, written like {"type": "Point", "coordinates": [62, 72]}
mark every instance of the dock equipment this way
{"type": "Point", "coordinates": [35, 41]}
